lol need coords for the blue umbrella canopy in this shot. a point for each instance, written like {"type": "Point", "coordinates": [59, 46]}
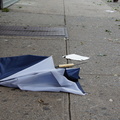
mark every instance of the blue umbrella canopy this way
{"type": "Point", "coordinates": [38, 73]}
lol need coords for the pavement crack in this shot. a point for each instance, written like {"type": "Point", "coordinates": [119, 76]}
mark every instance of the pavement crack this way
{"type": "Point", "coordinates": [64, 12]}
{"type": "Point", "coordinates": [103, 74]}
{"type": "Point", "coordinates": [69, 106]}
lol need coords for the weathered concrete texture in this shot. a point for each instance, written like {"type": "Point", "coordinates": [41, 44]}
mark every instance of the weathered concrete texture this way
{"type": "Point", "coordinates": [43, 6]}
{"type": "Point", "coordinates": [102, 101]}
{"type": "Point", "coordinates": [30, 19]}
{"type": "Point", "coordinates": [97, 33]}
{"type": "Point", "coordinates": [114, 5]}
{"type": "Point", "coordinates": [26, 105]}
{"type": "Point", "coordinates": [104, 58]}
{"type": "Point", "coordinates": [90, 8]}
{"type": "Point", "coordinates": [26, 19]}
{"type": "Point", "coordinates": [12, 46]}
{"type": "Point", "coordinates": [93, 32]}
{"type": "Point", "coordinates": [102, 47]}
{"type": "Point", "coordinates": [98, 39]}
{"type": "Point", "coordinates": [34, 13]}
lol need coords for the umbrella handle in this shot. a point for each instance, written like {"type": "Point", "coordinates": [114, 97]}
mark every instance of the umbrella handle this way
{"type": "Point", "coordinates": [66, 65]}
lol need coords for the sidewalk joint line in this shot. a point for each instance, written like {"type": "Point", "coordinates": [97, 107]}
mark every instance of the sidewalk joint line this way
{"type": "Point", "coordinates": [64, 12]}
{"type": "Point", "coordinates": [69, 107]}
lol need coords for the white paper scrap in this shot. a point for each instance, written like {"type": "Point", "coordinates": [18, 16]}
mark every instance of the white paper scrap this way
{"type": "Point", "coordinates": [75, 57]}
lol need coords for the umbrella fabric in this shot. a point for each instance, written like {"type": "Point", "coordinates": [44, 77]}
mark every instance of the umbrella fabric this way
{"type": "Point", "coordinates": [38, 73]}
{"type": "Point", "coordinates": [72, 74]}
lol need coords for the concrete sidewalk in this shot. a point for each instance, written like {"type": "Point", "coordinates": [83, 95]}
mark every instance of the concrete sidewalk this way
{"type": "Point", "coordinates": [93, 31]}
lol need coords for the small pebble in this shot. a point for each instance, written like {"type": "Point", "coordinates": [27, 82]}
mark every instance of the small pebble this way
{"type": "Point", "coordinates": [111, 100]}
{"type": "Point", "coordinates": [6, 40]}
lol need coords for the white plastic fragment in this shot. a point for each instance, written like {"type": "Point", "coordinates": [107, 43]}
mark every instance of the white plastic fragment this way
{"type": "Point", "coordinates": [75, 57]}
{"type": "Point", "coordinates": [110, 11]}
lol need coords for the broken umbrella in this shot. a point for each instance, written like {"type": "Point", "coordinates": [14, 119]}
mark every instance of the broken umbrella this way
{"type": "Point", "coordinates": [38, 73]}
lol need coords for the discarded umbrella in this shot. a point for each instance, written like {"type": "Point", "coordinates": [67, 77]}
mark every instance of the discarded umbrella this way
{"type": "Point", "coordinates": [38, 73]}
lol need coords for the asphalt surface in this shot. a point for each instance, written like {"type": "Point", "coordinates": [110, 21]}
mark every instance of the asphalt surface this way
{"type": "Point", "coordinates": [93, 28]}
